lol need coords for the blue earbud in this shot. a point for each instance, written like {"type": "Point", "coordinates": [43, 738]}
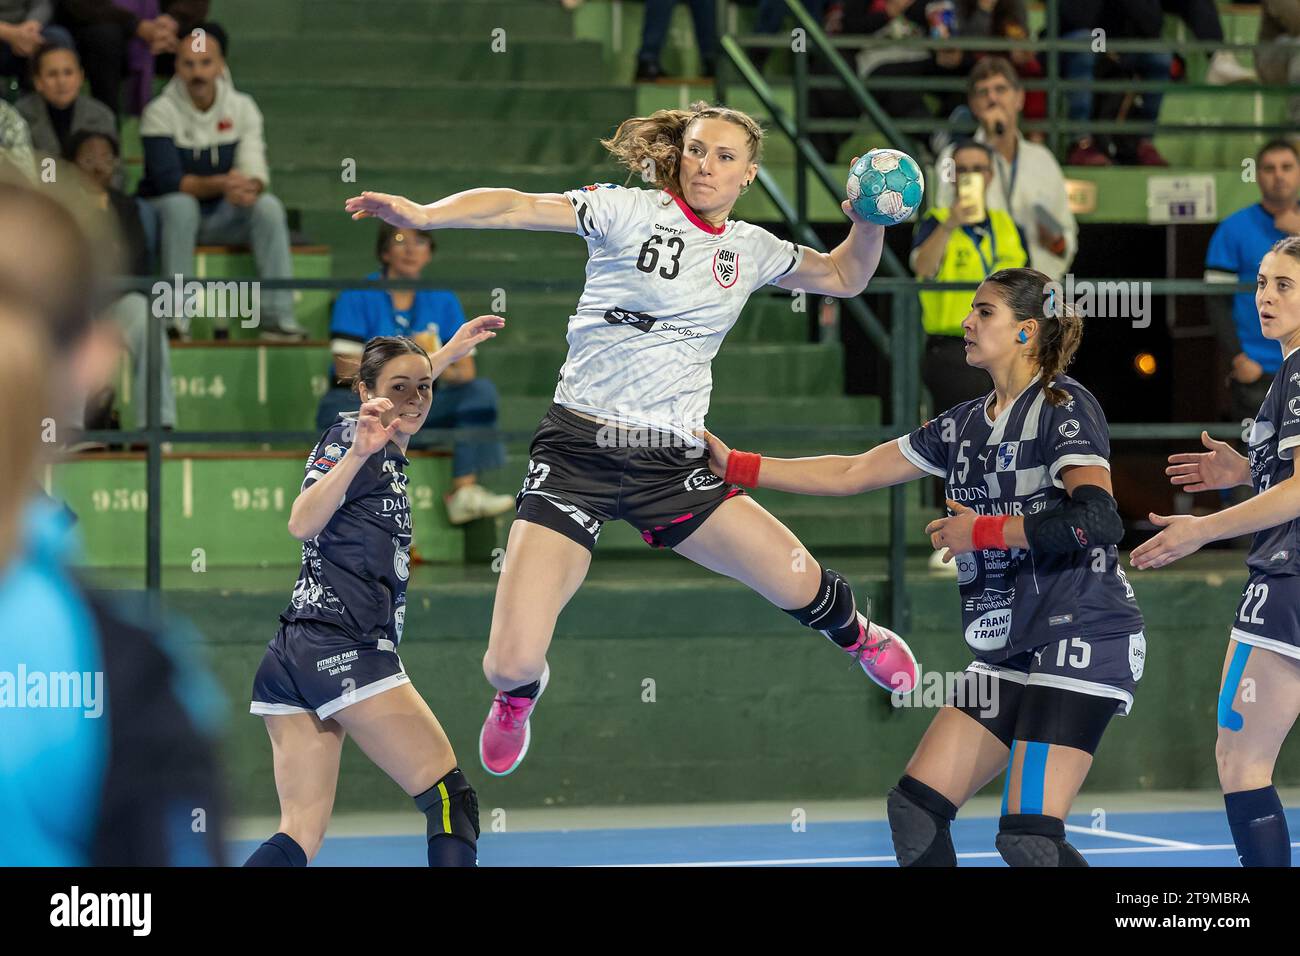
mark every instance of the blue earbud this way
{"type": "Point", "coordinates": [1022, 338]}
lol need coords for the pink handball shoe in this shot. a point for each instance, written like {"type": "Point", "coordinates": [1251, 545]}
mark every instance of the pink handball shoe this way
{"type": "Point", "coordinates": [503, 741]}
{"type": "Point", "coordinates": [885, 657]}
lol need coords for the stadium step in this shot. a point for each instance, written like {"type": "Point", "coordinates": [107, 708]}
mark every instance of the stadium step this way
{"type": "Point", "coordinates": [246, 386]}
{"type": "Point", "coordinates": [222, 509]}
{"type": "Point", "coordinates": [316, 56]}
{"type": "Point", "coordinates": [332, 99]}
{"type": "Point", "coordinates": [372, 140]}
{"type": "Point", "coordinates": [445, 17]}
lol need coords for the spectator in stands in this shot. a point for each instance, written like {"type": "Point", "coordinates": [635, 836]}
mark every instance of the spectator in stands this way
{"type": "Point", "coordinates": [460, 400]}
{"type": "Point", "coordinates": [952, 245]}
{"type": "Point", "coordinates": [1007, 20]}
{"type": "Point", "coordinates": [1119, 19]}
{"type": "Point", "coordinates": [1277, 58]}
{"type": "Point", "coordinates": [95, 155]}
{"type": "Point", "coordinates": [56, 111]}
{"type": "Point", "coordinates": [1202, 18]}
{"type": "Point", "coordinates": [1235, 250]}
{"type": "Point", "coordinates": [24, 28]}
{"type": "Point", "coordinates": [886, 21]}
{"type": "Point", "coordinates": [1027, 180]}
{"type": "Point", "coordinates": [117, 37]}
{"type": "Point", "coordinates": [205, 167]}
{"type": "Point", "coordinates": [771, 15]}
{"type": "Point", "coordinates": [15, 143]}
{"type": "Point", "coordinates": [654, 31]}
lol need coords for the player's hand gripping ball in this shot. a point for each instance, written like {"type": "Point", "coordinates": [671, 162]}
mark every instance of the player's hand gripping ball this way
{"type": "Point", "coordinates": [885, 186]}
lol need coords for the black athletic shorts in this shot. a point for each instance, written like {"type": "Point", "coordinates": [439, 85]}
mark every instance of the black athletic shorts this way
{"type": "Point", "coordinates": [583, 473]}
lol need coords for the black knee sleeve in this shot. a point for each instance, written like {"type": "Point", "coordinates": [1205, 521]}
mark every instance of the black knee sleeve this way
{"type": "Point", "coordinates": [919, 820]}
{"type": "Point", "coordinates": [450, 808]}
{"type": "Point", "coordinates": [1032, 839]}
{"type": "Point", "coordinates": [833, 611]}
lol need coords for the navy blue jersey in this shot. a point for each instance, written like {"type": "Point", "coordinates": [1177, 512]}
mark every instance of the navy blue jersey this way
{"type": "Point", "coordinates": [1272, 440]}
{"type": "Point", "coordinates": [1013, 601]}
{"type": "Point", "coordinates": [354, 572]}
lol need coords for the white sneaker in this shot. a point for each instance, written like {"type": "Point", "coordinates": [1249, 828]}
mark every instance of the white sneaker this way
{"type": "Point", "coordinates": [937, 566]}
{"type": "Point", "coordinates": [474, 501]}
{"type": "Point", "coordinates": [1224, 69]}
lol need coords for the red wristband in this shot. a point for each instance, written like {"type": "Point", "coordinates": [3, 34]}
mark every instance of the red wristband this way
{"type": "Point", "coordinates": [988, 533]}
{"type": "Point", "coordinates": [742, 468]}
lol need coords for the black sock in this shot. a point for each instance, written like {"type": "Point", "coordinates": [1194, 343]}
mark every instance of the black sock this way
{"type": "Point", "coordinates": [448, 850]}
{"type": "Point", "coordinates": [531, 689]}
{"type": "Point", "coordinates": [279, 850]}
{"type": "Point", "coordinates": [1258, 827]}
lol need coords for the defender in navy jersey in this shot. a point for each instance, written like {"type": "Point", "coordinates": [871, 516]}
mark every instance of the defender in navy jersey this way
{"type": "Point", "coordinates": [1259, 698]}
{"type": "Point", "coordinates": [668, 274]}
{"type": "Point", "coordinates": [332, 668]}
{"type": "Point", "coordinates": [1046, 609]}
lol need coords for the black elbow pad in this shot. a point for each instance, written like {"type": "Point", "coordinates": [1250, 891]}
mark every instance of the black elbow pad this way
{"type": "Point", "coordinates": [1090, 519]}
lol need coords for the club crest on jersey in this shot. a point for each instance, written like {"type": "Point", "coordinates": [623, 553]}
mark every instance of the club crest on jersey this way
{"type": "Point", "coordinates": [1007, 456]}
{"type": "Point", "coordinates": [329, 456]}
{"type": "Point", "coordinates": [726, 267]}
{"type": "Point", "coordinates": [401, 561]}
{"type": "Point", "coordinates": [701, 479]}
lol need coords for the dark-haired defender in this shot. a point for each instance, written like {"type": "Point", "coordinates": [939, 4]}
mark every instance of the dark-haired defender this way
{"type": "Point", "coordinates": [1046, 609]}
{"type": "Point", "coordinates": [667, 276]}
{"type": "Point", "coordinates": [332, 668]}
{"type": "Point", "coordinates": [1259, 698]}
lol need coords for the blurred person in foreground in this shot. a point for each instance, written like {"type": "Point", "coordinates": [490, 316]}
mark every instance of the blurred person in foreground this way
{"type": "Point", "coordinates": [106, 730]}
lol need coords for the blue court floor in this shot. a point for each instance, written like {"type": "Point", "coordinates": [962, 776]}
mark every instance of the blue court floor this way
{"type": "Point", "coordinates": [1171, 838]}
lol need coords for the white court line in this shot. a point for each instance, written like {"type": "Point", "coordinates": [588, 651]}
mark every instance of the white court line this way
{"type": "Point", "coordinates": [1136, 838]}
{"type": "Point", "coordinates": [890, 859]}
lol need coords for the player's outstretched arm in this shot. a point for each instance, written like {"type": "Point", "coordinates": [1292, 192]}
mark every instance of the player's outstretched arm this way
{"type": "Point", "coordinates": [824, 475]}
{"type": "Point", "coordinates": [467, 337]}
{"type": "Point", "coordinates": [1184, 534]}
{"type": "Point", "coordinates": [487, 208]}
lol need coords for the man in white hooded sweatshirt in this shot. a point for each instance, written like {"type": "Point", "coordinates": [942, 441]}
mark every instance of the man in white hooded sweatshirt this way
{"type": "Point", "coordinates": [205, 171]}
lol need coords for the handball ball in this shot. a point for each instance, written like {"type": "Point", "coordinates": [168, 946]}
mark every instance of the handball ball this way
{"type": "Point", "coordinates": [885, 186]}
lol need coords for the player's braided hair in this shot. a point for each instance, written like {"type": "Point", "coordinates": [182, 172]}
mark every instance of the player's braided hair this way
{"type": "Point", "coordinates": [379, 351]}
{"type": "Point", "coordinates": [651, 146]}
{"type": "Point", "coordinates": [1289, 246]}
{"type": "Point", "coordinates": [1060, 327]}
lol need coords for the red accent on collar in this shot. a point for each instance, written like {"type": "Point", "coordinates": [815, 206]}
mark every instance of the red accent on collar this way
{"type": "Point", "coordinates": [689, 213]}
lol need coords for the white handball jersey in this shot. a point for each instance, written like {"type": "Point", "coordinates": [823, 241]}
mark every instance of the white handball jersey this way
{"type": "Point", "coordinates": [663, 288]}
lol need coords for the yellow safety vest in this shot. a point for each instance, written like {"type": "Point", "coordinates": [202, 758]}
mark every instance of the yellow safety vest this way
{"type": "Point", "coordinates": [943, 312]}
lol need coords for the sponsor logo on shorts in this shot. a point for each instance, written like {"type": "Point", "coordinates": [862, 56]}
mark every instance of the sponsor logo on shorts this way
{"type": "Point", "coordinates": [701, 479]}
{"type": "Point", "coordinates": [1069, 429]}
{"type": "Point", "coordinates": [1279, 556]}
{"type": "Point", "coordinates": [337, 663]}
{"type": "Point", "coordinates": [1056, 620]}
{"type": "Point", "coordinates": [1137, 654]}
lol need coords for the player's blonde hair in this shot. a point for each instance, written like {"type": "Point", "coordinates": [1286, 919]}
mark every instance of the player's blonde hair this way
{"type": "Point", "coordinates": [1060, 328]}
{"type": "Point", "coordinates": [651, 146]}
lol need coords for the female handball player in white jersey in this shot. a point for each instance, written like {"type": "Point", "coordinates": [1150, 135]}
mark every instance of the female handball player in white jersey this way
{"type": "Point", "coordinates": [1046, 609]}
{"type": "Point", "coordinates": [667, 276]}
{"type": "Point", "coordinates": [1259, 696]}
